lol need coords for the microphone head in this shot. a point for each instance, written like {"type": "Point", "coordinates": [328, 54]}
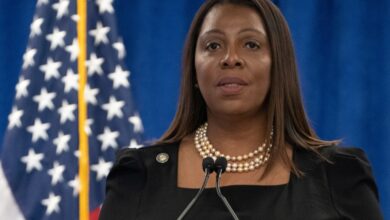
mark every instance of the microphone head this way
{"type": "Point", "coordinates": [220, 164]}
{"type": "Point", "coordinates": [208, 164]}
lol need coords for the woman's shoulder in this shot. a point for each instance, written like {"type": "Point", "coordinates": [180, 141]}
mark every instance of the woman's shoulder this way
{"type": "Point", "coordinates": [146, 153]}
{"type": "Point", "coordinates": [341, 153]}
{"type": "Point", "coordinates": [351, 182]}
{"type": "Point", "coordinates": [331, 156]}
{"type": "Point", "coordinates": [347, 164]}
{"type": "Point", "coordinates": [341, 165]}
{"type": "Point", "coordinates": [132, 164]}
{"type": "Point", "coordinates": [347, 174]}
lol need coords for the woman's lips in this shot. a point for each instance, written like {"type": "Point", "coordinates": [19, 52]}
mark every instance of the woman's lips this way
{"type": "Point", "coordinates": [231, 85]}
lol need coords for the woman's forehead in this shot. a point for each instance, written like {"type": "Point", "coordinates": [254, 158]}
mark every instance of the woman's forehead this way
{"type": "Point", "coordinates": [233, 18]}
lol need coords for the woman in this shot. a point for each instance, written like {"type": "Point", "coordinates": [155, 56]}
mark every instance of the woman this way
{"type": "Point", "coordinates": [240, 99]}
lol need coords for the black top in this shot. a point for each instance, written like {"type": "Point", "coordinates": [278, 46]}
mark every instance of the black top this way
{"type": "Point", "coordinates": [139, 187]}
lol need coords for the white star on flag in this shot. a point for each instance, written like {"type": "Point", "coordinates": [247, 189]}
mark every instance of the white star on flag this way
{"type": "Point", "coordinates": [105, 6]}
{"type": "Point", "coordinates": [52, 203]}
{"type": "Point", "coordinates": [42, 2]}
{"type": "Point", "coordinates": [90, 94]}
{"type": "Point", "coordinates": [120, 48]}
{"type": "Point", "coordinates": [62, 142]}
{"type": "Point", "coordinates": [87, 127]}
{"type": "Point", "coordinates": [75, 18]}
{"type": "Point", "coordinates": [113, 108]}
{"type": "Point", "coordinates": [56, 173]}
{"type": "Point", "coordinates": [56, 38]}
{"type": "Point", "coordinates": [94, 65]}
{"type": "Point", "coordinates": [119, 77]}
{"type": "Point", "coordinates": [32, 160]}
{"type": "Point", "coordinates": [73, 49]}
{"type": "Point", "coordinates": [100, 33]}
{"type": "Point", "coordinates": [45, 100]}
{"type": "Point", "coordinates": [21, 88]}
{"type": "Point", "coordinates": [14, 118]}
{"type": "Point", "coordinates": [38, 130]}
{"type": "Point", "coordinates": [71, 81]}
{"type": "Point", "coordinates": [77, 153]}
{"type": "Point", "coordinates": [102, 168]}
{"type": "Point", "coordinates": [134, 144]}
{"type": "Point", "coordinates": [35, 27]}
{"type": "Point", "coordinates": [108, 138]}
{"type": "Point", "coordinates": [28, 58]}
{"type": "Point", "coordinates": [75, 184]}
{"type": "Point", "coordinates": [61, 7]}
{"type": "Point", "coordinates": [137, 123]}
{"type": "Point", "coordinates": [50, 69]}
{"type": "Point", "coordinates": [66, 111]}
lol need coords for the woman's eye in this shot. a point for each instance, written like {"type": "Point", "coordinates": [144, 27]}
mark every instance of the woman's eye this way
{"type": "Point", "coordinates": [213, 46]}
{"type": "Point", "coordinates": [252, 45]}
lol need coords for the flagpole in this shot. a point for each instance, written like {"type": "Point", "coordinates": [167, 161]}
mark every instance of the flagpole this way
{"type": "Point", "coordinates": [82, 112]}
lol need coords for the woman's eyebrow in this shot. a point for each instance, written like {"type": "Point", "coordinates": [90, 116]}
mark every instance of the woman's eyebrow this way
{"type": "Point", "coordinates": [212, 31]}
{"type": "Point", "coordinates": [260, 32]}
{"type": "Point", "coordinates": [219, 32]}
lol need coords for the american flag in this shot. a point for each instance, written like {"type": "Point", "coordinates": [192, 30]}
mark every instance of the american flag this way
{"type": "Point", "coordinates": [39, 173]}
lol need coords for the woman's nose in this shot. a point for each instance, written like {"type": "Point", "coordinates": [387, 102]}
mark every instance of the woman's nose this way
{"type": "Point", "coordinates": [231, 59]}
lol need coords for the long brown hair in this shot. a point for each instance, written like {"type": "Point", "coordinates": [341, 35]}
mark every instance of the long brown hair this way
{"type": "Point", "coordinates": [285, 110]}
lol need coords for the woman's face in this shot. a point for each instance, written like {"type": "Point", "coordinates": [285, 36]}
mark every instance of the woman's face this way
{"type": "Point", "coordinates": [233, 61]}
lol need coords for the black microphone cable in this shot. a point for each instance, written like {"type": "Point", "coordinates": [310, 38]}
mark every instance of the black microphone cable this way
{"type": "Point", "coordinates": [220, 167]}
{"type": "Point", "coordinates": [208, 167]}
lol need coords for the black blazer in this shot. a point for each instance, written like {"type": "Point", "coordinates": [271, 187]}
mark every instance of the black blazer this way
{"type": "Point", "coordinates": [140, 187]}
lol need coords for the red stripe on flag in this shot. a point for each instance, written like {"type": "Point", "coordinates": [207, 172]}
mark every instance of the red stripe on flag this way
{"type": "Point", "coordinates": [94, 215]}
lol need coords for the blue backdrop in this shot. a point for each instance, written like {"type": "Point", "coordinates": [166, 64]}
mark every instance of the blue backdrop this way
{"type": "Point", "coordinates": [343, 50]}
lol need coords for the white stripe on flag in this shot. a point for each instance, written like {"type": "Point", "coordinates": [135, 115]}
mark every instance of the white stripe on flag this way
{"type": "Point", "coordinates": [8, 207]}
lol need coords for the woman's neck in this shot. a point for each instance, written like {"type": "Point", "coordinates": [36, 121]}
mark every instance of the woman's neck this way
{"type": "Point", "coordinates": [237, 135]}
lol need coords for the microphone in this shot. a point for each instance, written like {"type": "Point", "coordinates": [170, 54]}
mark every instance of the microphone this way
{"type": "Point", "coordinates": [208, 167]}
{"type": "Point", "coordinates": [220, 167]}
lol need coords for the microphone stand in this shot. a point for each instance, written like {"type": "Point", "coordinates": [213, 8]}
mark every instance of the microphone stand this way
{"type": "Point", "coordinates": [208, 164]}
{"type": "Point", "coordinates": [220, 166]}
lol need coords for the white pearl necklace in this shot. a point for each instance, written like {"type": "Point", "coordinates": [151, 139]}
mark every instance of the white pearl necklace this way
{"type": "Point", "coordinates": [242, 163]}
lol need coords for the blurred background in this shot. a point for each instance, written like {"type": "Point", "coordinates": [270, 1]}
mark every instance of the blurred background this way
{"type": "Point", "coordinates": [342, 47]}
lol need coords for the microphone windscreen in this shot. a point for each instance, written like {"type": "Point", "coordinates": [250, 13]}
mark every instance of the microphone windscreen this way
{"type": "Point", "coordinates": [220, 164]}
{"type": "Point", "coordinates": [208, 164]}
